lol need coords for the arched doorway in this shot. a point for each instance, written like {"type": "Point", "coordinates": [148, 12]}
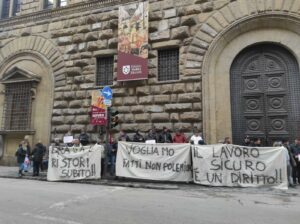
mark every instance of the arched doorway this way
{"type": "Point", "coordinates": [265, 93]}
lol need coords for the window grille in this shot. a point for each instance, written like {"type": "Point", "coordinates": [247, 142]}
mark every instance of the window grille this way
{"type": "Point", "coordinates": [5, 9]}
{"type": "Point", "coordinates": [17, 6]}
{"type": "Point", "coordinates": [168, 65]}
{"type": "Point", "coordinates": [48, 4]}
{"type": "Point", "coordinates": [105, 71]}
{"type": "Point", "coordinates": [17, 106]}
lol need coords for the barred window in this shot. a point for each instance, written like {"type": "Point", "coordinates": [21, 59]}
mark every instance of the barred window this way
{"type": "Point", "coordinates": [5, 9]}
{"type": "Point", "coordinates": [17, 106]}
{"type": "Point", "coordinates": [48, 4]}
{"type": "Point", "coordinates": [105, 71]}
{"type": "Point", "coordinates": [17, 6]}
{"type": "Point", "coordinates": [168, 65]}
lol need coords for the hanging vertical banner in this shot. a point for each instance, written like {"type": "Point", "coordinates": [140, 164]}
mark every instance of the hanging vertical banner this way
{"type": "Point", "coordinates": [133, 42]}
{"type": "Point", "coordinates": [99, 111]}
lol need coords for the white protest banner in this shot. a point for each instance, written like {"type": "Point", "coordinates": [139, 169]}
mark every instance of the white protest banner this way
{"type": "Point", "coordinates": [232, 165]}
{"type": "Point", "coordinates": [168, 162]}
{"type": "Point", "coordinates": [74, 163]}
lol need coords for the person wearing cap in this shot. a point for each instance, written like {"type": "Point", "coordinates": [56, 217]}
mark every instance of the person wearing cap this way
{"type": "Point", "coordinates": [179, 137]}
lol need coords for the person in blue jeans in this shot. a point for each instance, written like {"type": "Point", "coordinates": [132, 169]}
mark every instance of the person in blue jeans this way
{"type": "Point", "coordinates": [21, 153]}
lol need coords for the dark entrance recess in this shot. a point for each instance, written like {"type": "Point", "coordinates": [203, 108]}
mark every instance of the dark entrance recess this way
{"type": "Point", "coordinates": [265, 94]}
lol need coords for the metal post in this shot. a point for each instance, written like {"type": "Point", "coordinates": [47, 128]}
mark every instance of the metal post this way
{"type": "Point", "coordinates": [107, 141]}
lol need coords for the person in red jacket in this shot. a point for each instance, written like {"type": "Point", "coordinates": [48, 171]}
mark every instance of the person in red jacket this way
{"type": "Point", "coordinates": [179, 137]}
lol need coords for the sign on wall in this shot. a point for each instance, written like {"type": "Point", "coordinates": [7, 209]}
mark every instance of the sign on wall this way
{"type": "Point", "coordinates": [168, 162]}
{"type": "Point", "coordinates": [98, 109]}
{"type": "Point", "coordinates": [133, 42]}
{"type": "Point", "coordinates": [74, 163]}
{"type": "Point", "coordinates": [232, 165]}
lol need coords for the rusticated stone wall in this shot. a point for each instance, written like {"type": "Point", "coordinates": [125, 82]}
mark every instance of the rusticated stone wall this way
{"type": "Point", "coordinates": [81, 32]}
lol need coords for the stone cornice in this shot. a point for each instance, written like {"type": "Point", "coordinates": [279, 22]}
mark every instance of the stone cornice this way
{"type": "Point", "coordinates": [63, 11]}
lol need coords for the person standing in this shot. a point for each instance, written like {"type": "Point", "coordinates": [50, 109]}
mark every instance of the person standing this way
{"type": "Point", "coordinates": [152, 135]}
{"type": "Point", "coordinates": [256, 142]}
{"type": "Point", "coordinates": [84, 138]}
{"type": "Point", "coordinates": [123, 137]}
{"type": "Point", "coordinates": [165, 136]}
{"type": "Point", "coordinates": [179, 137]}
{"type": "Point", "coordinates": [291, 163]}
{"type": "Point", "coordinates": [21, 153]}
{"type": "Point", "coordinates": [196, 138]}
{"type": "Point", "coordinates": [112, 155]}
{"type": "Point", "coordinates": [138, 137]}
{"type": "Point", "coordinates": [295, 149]}
{"type": "Point", "coordinates": [37, 157]}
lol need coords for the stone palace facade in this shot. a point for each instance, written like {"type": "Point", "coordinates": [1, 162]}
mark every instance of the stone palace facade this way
{"type": "Point", "coordinates": [235, 69]}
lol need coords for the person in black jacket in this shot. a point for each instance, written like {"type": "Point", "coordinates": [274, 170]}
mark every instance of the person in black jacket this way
{"type": "Point", "coordinates": [165, 136]}
{"type": "Point", "coordinates": [21, 153]}
{"type": "Point", "coordinates": [37, 157]}
{"type": "Point", "coordinates": [84, 138]}
{"type": "Point", "coordinates": [138, 137]}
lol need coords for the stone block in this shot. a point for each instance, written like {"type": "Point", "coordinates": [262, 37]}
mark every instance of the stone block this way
{"type": "Point", "coordinates": [73, 71]}
{"type": "Point", "coordinates": [174, 117]}
{"type": "Point", "coordinates": [75, 104]}
{"type": "Point", "coordinates": [60, 104]}
{"type": "Point", "coordinates": [161, 99]}
{"type": "Point", "coordinates": [78, 38]}
{"type": "Point", "coordinates": [169, 13]}
{"type": "Point", "coordinates": [144, 127]}
{"type": "Point", "coordinates": [57, 112]}
{"type": "Point", "coordinates": [64, 41]}
{"type": "Point", "coordinates": [106, 34]}
{"type": "Point", "coordinates": [77, 128]}
{"type": "Point", "coordinates": [160, 117]}
{"type": "Point", "coordinates": [71, 49]}
{"type": "Point", "coordinates": [91, 36]}
{"type": "Point", "coordinates": [166, 89]}
{"type": "Point", "coordinates": [155, 16]}
{"type": "Point", "coordinates": [58, 95]}
{"type": "Point", "coordinates": [82, 119]}
{"type": "Point", "coordinates": [163, 25]}
{"type": "Point", "coordinates": [189, 97]}
{"type": "Point", "coordinates": [91, 19]}
{"type": "Point", "coordinates": [166, 44]}
{"type": "Point", "coordinates": [146, 100]}
{"type": "Point", "coordinates": [180, 32]}
{"type": "Point", "coordinates": [62, 128]}
{"type": "Point", "coordinates": [185, 127]}
{"type": "Point", "coordinates": [69, 95]}
{"type": "Point", "coordinates": [143, 90]}
{"type": "Point", "coordinates": [82, 47]}
{"type": "Point", "coordinates": [160, 35]}
{"type": "Point", "coordinates": [178, 107]}
{"type": "Point", "coordinates": [117, 101]}
{"type": "Point", "coordinates": [207, 7]}
{"type": "Point", "coordinates": [197, 106]}
{"type": "Point", "coordinates": [137, 109]}
{"type": "Point", "coordinates": [128, 118]}
{"type": "Point", "coordinates": [82, 62]}
{"type": "Point", "coordinates": [70, 119]}
{"type": "Point", "coordinates": [130, 101]}
{"type": "Point", "coordinates": [174, 22]}
{"type": "Point", "coordinates": [96, 26]}
{"type": "Point", "coordinates": [191, 116]}
{"type": "Point", "coordinates": [57, 120]}
{"type": "Point", "coordinates": [192, 9]}
{"type": "Point", "coordinates": [113, 43]}
{"type": "Point", "coordinates": [141, 117]}
{"type": "Point", "coordinates": [154, 109]}
{"type": "Point", "coordinates": [129, 127]}
{"type": "Point", "coordinates": [189, 20]}
{"type": "Point", "coordinates": [179, 88]}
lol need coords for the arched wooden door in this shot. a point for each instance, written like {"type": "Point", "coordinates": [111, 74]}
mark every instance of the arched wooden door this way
{"type": "Point", "coordinates": [265, 94]}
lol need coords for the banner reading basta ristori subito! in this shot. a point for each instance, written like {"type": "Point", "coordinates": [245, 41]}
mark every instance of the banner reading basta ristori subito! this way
{"type": "Point", "coordinates": [133, 42]}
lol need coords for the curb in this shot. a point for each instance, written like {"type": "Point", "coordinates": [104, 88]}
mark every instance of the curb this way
{"type": "Point", "coordinates": [104, 182]}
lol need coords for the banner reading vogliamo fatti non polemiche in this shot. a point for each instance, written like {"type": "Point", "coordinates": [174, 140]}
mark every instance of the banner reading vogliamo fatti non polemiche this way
{"type": "Point", "coordinates": [74, 163]}
{"type": "Point", "coordinates": [133, 42]}
{"type": "Point", "coordinates": [167, 162]}
{"type": "Point", "coordinates": [233, 165]}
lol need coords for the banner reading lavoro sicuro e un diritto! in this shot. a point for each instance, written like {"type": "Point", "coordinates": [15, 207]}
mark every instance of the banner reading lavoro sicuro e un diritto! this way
{"type": "Point", "coordinates": [233, 165]}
